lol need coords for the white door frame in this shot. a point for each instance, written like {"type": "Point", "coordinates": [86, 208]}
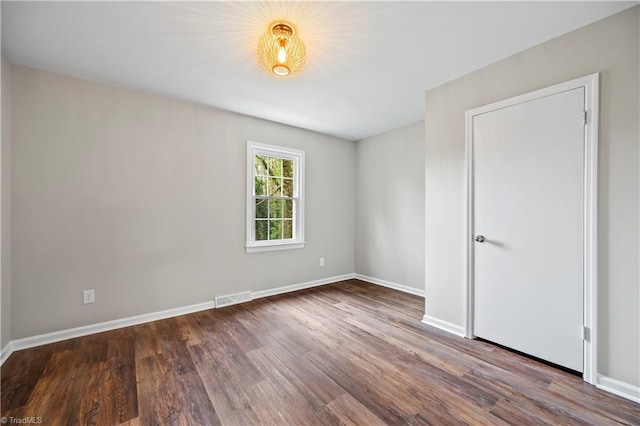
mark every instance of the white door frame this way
{"type": "Point", "coordinates": [590, 197]}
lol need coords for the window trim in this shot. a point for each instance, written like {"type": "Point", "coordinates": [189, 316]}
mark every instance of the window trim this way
{"type": "Point", "coordinates": [251, 245]}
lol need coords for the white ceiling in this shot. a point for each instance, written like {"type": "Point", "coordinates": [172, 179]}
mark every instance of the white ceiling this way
{"type": "Point", "coordinates": [368, 63]}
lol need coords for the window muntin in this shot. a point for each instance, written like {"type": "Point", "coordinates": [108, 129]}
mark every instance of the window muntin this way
{"type": "Point", "coordinates": [274, 198]}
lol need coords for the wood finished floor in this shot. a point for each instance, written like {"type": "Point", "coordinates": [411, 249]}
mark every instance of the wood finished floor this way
{"type": "Point", "coordinates": [347, 353]}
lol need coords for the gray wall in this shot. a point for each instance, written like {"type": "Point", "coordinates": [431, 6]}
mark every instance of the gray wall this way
{"type": "Point", "coordinates": [611, 47]}
{"type": "Point", "coordinates": [142, 198]}
{"type": "Point", "coordinates": [5, 213]}
{"type": "Point", "coordinates": [390, 206]}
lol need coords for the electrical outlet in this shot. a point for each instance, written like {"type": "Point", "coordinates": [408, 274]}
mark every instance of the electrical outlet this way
{"type": "Point", "coordinates": [322, 261]}
{"type": "Point", "coordinates": [88, 296]}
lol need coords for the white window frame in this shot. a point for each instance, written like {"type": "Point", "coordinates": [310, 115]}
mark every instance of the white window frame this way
{"type": "Point", "coordinates": [253, 246]}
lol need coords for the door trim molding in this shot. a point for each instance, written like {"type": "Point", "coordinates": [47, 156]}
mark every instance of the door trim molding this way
{"type": "Point", "coordinates": [590, 83]}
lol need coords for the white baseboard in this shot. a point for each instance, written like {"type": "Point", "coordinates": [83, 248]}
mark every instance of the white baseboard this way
{"type": "Point", "coordinates": [301, 286]}
{"type": "Point", "coordinates": [619, 388]}
{"type": "Point", "coordinates": [389, 284]}
{"type": "Point", "coordinates": [5, 352]}
{"type": "Point", "coordinates": [605, 383]}
{"type": "Point", "coordinates": [444, 325]}
{"type": "Point", "coordinates": [57, 336]}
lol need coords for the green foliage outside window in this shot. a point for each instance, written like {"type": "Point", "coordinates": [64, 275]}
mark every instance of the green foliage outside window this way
{"type": "Point", "coordinates": [273, 184]}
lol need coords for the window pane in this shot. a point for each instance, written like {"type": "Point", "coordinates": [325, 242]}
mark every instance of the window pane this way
{"type": "Point", "coordinates": [275, 166]}
{"type": "Point", "coordinates": [260, 164]}
{"type": "Point", "coordinates": [275, 196]}
{"type": "Point", "coordinates": [260, 185]}
{"type": "Point", "coordinates": [287, 229]}
{"type": "Point", "coordinates": [275, 209]}
{"type": "Point", "coordinates": [287, 187]}
{"type": "Point", "coordinates": [275, 229]}
{"type": "Point", "coordinates": [287, 168]}
{"type": "Point", "coordinates": [262, 211]}
{"type": "Point", "coordinates": [288, 209]}
{"type": "Point", "coordinates": [275, 187]}
{"type": "Point", "coordinates": [261, 230]}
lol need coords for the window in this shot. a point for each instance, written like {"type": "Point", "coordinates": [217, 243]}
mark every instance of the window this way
{"type": "Point", "coordinates": [275, 203]}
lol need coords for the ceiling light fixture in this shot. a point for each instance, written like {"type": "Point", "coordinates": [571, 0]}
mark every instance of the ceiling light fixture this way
{"type": "Point", "coordinates": [280, 51]}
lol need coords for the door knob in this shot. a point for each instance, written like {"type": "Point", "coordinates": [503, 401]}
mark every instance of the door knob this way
{"type": "Point", "coordinates": [479, 238]}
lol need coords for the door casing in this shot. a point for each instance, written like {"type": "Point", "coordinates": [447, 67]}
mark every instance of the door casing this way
{"type": "Point", "coordinates": [590, 83]}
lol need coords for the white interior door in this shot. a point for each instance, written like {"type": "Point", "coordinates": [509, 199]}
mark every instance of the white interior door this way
{"type": "Point", "coordinates": [528, 205]}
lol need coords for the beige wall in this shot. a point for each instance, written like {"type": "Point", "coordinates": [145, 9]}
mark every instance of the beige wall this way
{"type": "Point", "coordinates": [610, 47]}
{"type": "Point", "coordinates": [142, 198]}
{"type": "Point", "coordinates": [5, 211]}
{"type": "Point", "coordinates": [390, 206]}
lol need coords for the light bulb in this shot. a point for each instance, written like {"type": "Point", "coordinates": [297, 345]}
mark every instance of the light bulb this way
{"type": "Point", "coordinates": [282, 52]}
{"type": "Point", "coordinates": [282, 55]}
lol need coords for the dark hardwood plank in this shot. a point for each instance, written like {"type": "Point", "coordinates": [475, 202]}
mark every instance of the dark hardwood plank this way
{"type": "Point", "coordinates": [168, 397]}
{"type": "Point", "coordinates": [346, 353]}
{"type": "Point", "coordinates": [120, 361]}
{"type": "Point", "coordinates": [52, 388]}
{"type": "Point", "coordinates": [20, 373]}
{"type": "Point", "coordinates": [223, 390]}
{"type": "Point", "coordinates": [298, 370]}
{"type": "Point", "coordinates": [351, 412]}
{"type": "Point", "coordinates": [285, 393]}
{"type": "Point", "coordinates": [190, 329]}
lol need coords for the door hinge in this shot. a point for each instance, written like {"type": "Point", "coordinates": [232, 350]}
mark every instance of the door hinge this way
{"type": "Point", "coordinates": [586, 335]}
{"type": "Point", "coordinates": [584, 118]}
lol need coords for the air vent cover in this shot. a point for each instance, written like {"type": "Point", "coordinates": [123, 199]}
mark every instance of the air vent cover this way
{"type": "Point", "coordinates": [233, 299]}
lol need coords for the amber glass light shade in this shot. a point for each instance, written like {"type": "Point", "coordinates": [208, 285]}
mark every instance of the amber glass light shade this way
{"type": "Point", "coordinates": [280, 52]}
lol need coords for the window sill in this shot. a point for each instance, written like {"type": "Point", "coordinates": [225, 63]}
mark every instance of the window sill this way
{"type": "Point", "coordinates": [275, 247]}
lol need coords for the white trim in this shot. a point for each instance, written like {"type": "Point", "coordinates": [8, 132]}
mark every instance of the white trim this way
{"type": "Point", "coordinates": [57, 336]}
{"type": "Point", "coordinates": [468, 244]}
{"type": "Point", "coordinates": [444, 325]}
{"type": "Point", "coordinates": [289, 288]}
{"type": "Point", "coordinates": [590, 230]}
{"type": "Point", "coordinates": [274, 247]}
{"type": "Point", "coordinates": [619, 388]}
{"type": "Point", "coordinates": [590, 292]}
{"type": "Point", "coordinates": [607, 384]}
{"type": "Point", "coordinates": [389, 284]}
{"type": "Point", "coordinates": [6, 352]}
